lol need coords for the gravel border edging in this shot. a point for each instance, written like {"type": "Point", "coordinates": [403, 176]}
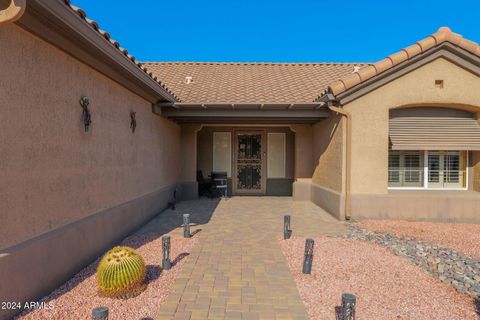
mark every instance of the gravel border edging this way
{"type": "Point", "coordinates": [446, 264]}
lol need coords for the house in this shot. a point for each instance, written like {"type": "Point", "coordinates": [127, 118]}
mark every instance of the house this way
{"type": "Point", "coordinates": [399, 138]}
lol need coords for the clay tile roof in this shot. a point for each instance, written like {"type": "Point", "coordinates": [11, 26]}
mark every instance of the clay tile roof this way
{"type": "Point", "coordinates": [212, 82]}
{"type": "Point", "coordinates": [83, 15]}
{"type": "Point", "coordinates": [444, 34]}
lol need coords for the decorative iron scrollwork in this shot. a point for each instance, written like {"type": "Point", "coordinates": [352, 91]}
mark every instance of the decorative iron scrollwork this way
{"type": "Point", "coordinates": [86, 115]}
{"type": "Point", "coordinates": [133, 121]}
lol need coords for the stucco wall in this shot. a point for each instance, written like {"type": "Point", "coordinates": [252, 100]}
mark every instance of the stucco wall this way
{"type": "Point", "coordinates": [66, 194]}
{"type": "Point", "coordinates": [328, 147]}
{"type": "Point", "coordinates": [53, 173]}
{"type": "Point", "coordinates": [370, 114]}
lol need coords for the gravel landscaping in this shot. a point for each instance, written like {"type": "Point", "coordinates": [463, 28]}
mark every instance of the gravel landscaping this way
{"type": "Point", "coordinates": [76, 298]}
{"type": "Point", "coordinates": [462, 237]}
{"type": "Point", "coordinates": [387, 286]}
{"type": "Point", "coordinates": [448, 265]}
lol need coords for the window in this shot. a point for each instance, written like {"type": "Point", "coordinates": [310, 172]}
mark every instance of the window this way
{"type": "Point", "coordinates": [442, 169]}
{"type": "Point", "coordinates": [276, 155]}
{"type": "Point", "coordinates": [405, 169]}
{"type": "Point", "coordinates": [447, 169]}
{"type": "Point", "coordinates": [222, 152]}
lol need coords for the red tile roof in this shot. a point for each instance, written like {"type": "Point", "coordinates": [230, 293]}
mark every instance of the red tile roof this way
{"type": "Point", "coordinates": [249, 82]}
{"type": "Point", "coordinates": [443, 34]}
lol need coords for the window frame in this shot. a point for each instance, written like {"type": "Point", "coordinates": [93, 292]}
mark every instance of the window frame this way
{"type": "Point", "coordinates": [426, 186]}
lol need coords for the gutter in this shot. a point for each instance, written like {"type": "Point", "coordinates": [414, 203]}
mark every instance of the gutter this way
{"type": "Point", "coordinates": [330, 100]}
{"type": "Point", "coordinates": [14, 11]}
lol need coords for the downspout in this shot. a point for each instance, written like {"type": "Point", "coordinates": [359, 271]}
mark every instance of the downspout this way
{"type": "Point", "coordinates": [14, 11]}
{"type": "Point", "coordinates": [348, 156]}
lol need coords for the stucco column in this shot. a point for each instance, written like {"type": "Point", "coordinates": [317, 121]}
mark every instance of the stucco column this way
{"type": "Point", "coordinates": [303, 150]}
{"type": "Point", "coordinates": [188, 148]}
{"type": "Point", "coordinates": [303, 169]}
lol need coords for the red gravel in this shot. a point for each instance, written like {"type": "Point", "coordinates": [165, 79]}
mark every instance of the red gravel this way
{"type": "Point", "coordinates": [387, 286]}
{"type": "Point", "coordinates": [76, 298]}
{"type": "Point", "coordinates": [462, 237]}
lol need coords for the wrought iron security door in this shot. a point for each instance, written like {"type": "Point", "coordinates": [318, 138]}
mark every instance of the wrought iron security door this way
{"type": "Point", "coordinates": [249, 166]}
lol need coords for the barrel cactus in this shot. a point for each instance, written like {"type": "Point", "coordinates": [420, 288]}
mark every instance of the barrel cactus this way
{"type": "Point", "coordinates": [121, 273]}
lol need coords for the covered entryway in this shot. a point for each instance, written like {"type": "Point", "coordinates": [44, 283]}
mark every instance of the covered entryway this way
{"type": "Point", "coordinates": [258, 160]}
{"type": "Point", "coordinates": [262, 147]}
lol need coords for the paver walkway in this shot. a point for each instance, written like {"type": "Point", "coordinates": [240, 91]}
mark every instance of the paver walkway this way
{"type": "Point", "coordinates": [237, 271]}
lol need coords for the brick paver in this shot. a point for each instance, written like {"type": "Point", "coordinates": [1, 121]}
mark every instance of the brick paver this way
{"type": "Point", "coordinates": [237, 271]}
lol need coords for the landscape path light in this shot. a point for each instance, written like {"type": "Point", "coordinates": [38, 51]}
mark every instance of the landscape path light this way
{"type": "Point", "coordinates": [348, 306]}
{"type": "Point", "coordinates": [308, 259]}
{"type": "Point", "coordinates": [166, 263]}
{"type": "Point", "coordinates": [100, 313]}
{"type": "Point", "coordinates": [186, 226]}
{"type": "Point", "coordinates": [287, 232]}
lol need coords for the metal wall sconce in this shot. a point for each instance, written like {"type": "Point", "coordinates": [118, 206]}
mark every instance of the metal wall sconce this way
{"type": "Point", "coordinates": [166, 263]}
{"type": "Point", "coordinates": [186, 226]}
{"type": "Point", "coordinates": [348, 306]}
{"type": "Point", "coordinates": [86, 116]}
{"type": "Point", "coordinates": [133, 121]}
{"type": "Point", "coordinates": [287, 232]}
{"type": "Point", "coordinates": [308, 259]}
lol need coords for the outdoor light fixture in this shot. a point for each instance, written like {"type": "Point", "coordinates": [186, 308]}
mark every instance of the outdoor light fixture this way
{"type": "Point", "coordinates": [348, 306]}
{"type": "Point", "coordinates": [100, 313]}
{"type": "Point", "coordinates": [287, 232]}
{"type": "Point", "coordinates": [133, 121]}
{"type": "Point", "coordinates": [307, 261]}
{"type": "Point", "coordinates": [86, 116]}
{"type": "Point", "coordinates": [186, 226]}
{"type": "Point", "coordinates": [166, 263]}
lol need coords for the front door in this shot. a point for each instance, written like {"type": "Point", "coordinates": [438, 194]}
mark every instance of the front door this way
{"type": "Point", "coordinates": [249, 177]}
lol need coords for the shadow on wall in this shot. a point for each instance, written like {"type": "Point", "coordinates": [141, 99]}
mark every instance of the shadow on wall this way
{"type": "Point", "coordinates": [328, 126]}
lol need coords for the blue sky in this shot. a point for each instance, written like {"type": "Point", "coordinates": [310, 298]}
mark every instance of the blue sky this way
{"type": "Point", "coordinates": [277, 31]}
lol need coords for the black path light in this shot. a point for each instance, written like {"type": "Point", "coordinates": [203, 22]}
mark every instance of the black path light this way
{"type": "Point", "coordinates": [307, 261]}
{"type": "Point", "coordinates": [186, 226]}
{"type": "Point", "coordinates": [287, 232]}
{"type": "Point", "coordinates": [348, 306]}
{"type": "Point", "coordinates": [166, 263]}
{"type": "Point", "coordinates": [100, 313]}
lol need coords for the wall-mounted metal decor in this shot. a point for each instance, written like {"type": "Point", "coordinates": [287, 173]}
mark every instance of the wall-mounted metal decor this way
{"type": "Point", "coordinates": [86, 116]}
{"type": "Point", "coordinates": [133, 121]}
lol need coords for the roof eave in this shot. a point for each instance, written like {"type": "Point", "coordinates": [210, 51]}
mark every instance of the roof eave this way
{"type": "Point", "coordinates": [445, 50]}
{"type": "Point", "coordinates": [56, 23]}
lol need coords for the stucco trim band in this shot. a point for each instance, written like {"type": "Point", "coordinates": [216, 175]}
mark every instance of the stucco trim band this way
{"type": "Point", "coordinates": [35, 267]}
{"type": "Point", "coordinates": [330, 200]}
{"type": "Point", "coordinates": [444, 206]}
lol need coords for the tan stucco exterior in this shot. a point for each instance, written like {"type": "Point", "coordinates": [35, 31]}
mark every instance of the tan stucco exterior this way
{"type": "Point", "coordinates": [54, 173]}
{"type": "Point", "coordinates": [63, 190]}
{"type": "Point", "coordinates": [370, 114]}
